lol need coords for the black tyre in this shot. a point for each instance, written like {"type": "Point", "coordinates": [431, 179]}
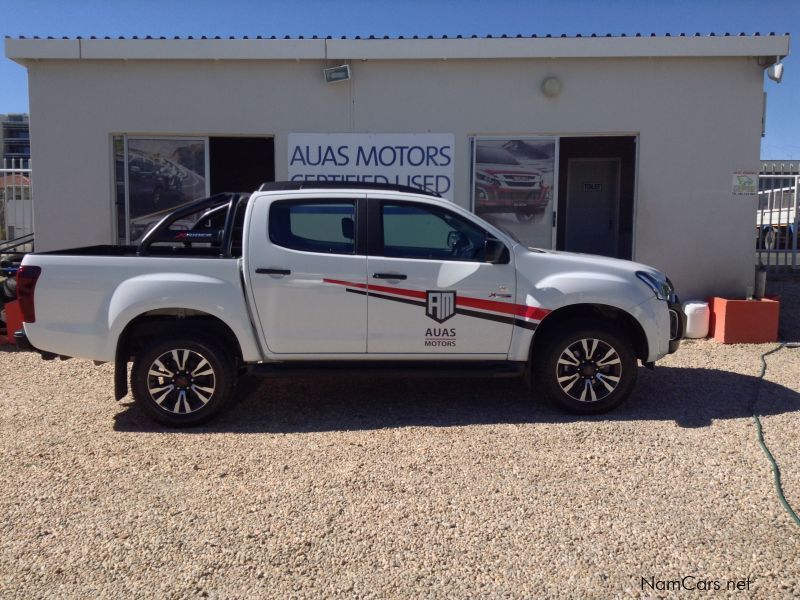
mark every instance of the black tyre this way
{"type": "Point", "coordinates": [183, 380]}
{"type": "Point", "coordinates": [586, 368]}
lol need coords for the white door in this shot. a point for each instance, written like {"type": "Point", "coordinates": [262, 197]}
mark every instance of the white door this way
{"type": "Point", "coordinates": [430, 291]}
{"type": "Point", "coordinates": [307, 246]}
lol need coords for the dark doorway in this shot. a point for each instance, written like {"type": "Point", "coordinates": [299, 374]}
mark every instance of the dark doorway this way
{"type": "Point", "coordinates": [240, 164]}
{"type": "Point", "coordinates": [596, 177]}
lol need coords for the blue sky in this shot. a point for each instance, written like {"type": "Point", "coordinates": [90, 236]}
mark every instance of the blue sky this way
{"type": "Point", "coordinates": [414, 17]}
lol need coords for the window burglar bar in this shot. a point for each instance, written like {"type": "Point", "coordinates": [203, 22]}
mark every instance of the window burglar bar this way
{"type": "Point", "coordinates": [777, 222]}
{"type": "Point", "coordinates": [16, 203]}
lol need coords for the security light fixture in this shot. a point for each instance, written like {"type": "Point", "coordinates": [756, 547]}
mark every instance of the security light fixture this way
{"type": "Point", "coordinates": [775, 72]}
{"type": "Point", "coordinates": [336, 74]}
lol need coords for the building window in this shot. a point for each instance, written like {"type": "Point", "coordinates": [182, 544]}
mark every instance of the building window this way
{"type": "Point", "coordinates": [153, 176]}
{"type": "Point", "coordinates": [513, 183]}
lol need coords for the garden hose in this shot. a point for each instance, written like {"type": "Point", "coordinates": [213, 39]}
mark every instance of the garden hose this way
{"type": "Point", "coordinates": [776, 472]}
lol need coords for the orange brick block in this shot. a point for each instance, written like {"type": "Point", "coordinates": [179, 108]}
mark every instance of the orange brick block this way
{"type": "Point", "coordinates": [744, 321]}
{"type": "Point", "coordinates": [13, 320]}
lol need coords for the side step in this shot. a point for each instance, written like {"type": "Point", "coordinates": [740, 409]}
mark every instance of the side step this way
{"type": "Point", "coordinates": [371, 368]}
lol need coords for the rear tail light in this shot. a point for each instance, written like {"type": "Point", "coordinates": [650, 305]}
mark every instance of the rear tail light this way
{"type": "Point", "coordinates": [26, 284]}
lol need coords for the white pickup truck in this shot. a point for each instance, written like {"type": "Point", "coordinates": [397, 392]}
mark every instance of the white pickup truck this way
{"type": "Point", "coordinates": [302, 278]}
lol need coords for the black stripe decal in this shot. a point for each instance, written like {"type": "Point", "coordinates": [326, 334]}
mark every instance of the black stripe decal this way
{"type": "Point", "coordinates": [525, 324]}
{"type": "Point", "coordinates": [396, 299]}
{"type": "Point", "coordinates": [459, 311]}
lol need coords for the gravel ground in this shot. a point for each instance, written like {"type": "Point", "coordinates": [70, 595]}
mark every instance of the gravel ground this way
{"type": "Point", "coordinates": [331, 488]}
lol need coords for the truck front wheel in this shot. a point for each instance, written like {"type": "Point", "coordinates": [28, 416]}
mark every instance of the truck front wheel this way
{"type": "Point", "coordinates": [586, 369]}
{"type": "Point", "coordinates": [183, 381]}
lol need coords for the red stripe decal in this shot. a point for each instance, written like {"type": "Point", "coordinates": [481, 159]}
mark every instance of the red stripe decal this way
{"type": "Point", "coordinates": [380, 288]}
{"type": "Point", "coordinates": [520, 310]}
{"type": "Point", "coordinates": [361, 286]}
{"type": "Point", "coordinates": [536, 313]}
{"type": "Point", "coordinates": [399, 291]}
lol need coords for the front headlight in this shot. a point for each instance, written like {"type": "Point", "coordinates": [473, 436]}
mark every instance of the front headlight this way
{"type": "Point", "coordinates": [488, 179]}
{"type": "Point", "coordinates": [662, 289]}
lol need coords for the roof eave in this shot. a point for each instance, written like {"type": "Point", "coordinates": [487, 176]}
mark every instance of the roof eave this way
{"type": "Point", "coordinates": [769, 47]}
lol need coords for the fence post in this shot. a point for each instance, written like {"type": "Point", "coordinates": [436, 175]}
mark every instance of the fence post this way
{"type": "Point", "coordinates": [16, 202]}
{"type": "Point", "coordinates": [795, 225]}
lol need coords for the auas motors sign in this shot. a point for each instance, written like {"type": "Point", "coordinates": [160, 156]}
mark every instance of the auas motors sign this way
{"type": "Point", "coordinates": [440, 306]}
{"type": "Point", "coordinates": [421, 160]}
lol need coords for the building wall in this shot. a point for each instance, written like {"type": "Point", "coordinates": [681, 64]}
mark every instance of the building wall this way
{"type": "Point", "coordinates": [698, 120]}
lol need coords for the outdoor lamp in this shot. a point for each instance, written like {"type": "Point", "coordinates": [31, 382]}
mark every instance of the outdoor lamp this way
{"type": "Point", "coordinates": [551, 87]}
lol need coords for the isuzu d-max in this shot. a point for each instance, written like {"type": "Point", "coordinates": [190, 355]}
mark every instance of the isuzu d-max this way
{"type": "Point", "coordinates": [303, 278]}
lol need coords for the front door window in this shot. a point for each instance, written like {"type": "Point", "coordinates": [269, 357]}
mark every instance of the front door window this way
{"type": "Point", "coordinates": [414, 231]}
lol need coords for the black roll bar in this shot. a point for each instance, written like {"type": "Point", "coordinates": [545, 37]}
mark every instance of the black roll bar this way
{"type": "Point", "coordinates": [162, 232]}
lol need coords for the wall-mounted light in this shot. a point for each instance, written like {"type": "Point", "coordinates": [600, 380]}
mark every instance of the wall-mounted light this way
{"type": "Point", "coordinates": [551, 87]}
{"type": "Point", "coordinates": [775, 72]}
{"type": "Point", "coordinates": [337, 74]}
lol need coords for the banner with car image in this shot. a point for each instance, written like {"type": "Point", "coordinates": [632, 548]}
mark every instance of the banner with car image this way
{"type": "Point", "coordinates": [513, 182]}
{"type": "Point", "coordinates": [161, 174]}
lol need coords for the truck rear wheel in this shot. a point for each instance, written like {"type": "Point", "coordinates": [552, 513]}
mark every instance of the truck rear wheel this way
{"type": "Point", "coordinates": [183, 380]}
{"type": "Point", "coordinates": [587, 368]}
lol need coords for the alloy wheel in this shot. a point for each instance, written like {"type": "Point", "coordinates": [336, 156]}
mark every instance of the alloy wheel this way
{"type": "Point", "coordinates": [589, 370]}
{"type": "Point", "coordinates": [181, 381]}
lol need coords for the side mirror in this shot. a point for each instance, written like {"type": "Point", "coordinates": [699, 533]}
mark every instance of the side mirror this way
{"type": "Point", "coordinates": [494, 251]}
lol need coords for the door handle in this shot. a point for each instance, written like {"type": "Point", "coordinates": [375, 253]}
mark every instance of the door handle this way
{"type": "Point", "coordinates": [389, 276]}
{"type": "Point", "coordinates": [273, 271]}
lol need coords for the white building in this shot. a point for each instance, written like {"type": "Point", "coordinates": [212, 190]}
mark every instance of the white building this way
{"type": "Point", "coordinates": [628, 146]}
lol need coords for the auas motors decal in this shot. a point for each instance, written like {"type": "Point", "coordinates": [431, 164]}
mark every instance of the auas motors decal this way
{"type": "Point", "coordinates": [440, 306]}
{"type": "Point", "coordinates": [440, 337]}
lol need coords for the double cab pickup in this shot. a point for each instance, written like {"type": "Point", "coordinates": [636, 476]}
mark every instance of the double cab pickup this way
{"type": "Point", "coordinates": [301, 278]}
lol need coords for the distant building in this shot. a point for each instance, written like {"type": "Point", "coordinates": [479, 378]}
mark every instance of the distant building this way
{"type": "Point", "coordinates": [780, 167]}
{"type": "Point", "coordinates": [15, 140]}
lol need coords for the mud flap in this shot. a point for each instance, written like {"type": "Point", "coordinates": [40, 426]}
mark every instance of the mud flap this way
{"type": "Point", "coordinates": [120, 376]}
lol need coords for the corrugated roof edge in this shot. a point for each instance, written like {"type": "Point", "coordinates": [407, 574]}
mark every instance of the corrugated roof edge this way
{"type": "Point", "coordinates": [399, 48]}
{"type": "Point", "coordinates": [387, 37]}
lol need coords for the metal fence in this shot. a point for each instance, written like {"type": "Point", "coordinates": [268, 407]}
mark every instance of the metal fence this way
{"type": "Point", "coordinates": [777, 222]}
{"type": "Point", "coordinates": [16, 206]}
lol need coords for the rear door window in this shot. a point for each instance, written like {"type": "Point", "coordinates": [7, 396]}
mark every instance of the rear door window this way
{"type": "Point", "coordinates": [322, 226]}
